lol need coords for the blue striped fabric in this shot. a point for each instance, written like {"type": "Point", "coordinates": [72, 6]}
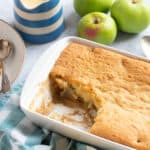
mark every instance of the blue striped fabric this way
{"type": "Point", "coordinates": [39, 23]}
{"type": "Point", "coordinates": [19, 133]}
{"type": "Point", "coordinates": [42, 8]}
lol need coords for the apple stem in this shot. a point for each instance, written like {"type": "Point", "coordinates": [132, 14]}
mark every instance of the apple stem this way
{"type": "Point", "coordinates": [96, 20]}
{"type": "Point", "coordinates": [134, 1]}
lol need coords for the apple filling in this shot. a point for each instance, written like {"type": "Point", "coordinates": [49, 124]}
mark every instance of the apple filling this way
{"type": "Point", "coordinates": [64, 93]}
{"type": "Point", "coordinates": [63, 104]}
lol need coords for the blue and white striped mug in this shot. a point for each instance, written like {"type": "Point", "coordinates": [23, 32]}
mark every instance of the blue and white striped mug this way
{"type": "Point", "coordinates": [39, 21]}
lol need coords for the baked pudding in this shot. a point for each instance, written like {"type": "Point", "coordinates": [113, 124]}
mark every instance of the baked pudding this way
{"type": "Point", "coordinates": [113, 90]}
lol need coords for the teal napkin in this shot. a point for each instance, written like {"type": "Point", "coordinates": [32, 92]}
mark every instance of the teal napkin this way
{"type": "Point", "coordinates": [19, 133]}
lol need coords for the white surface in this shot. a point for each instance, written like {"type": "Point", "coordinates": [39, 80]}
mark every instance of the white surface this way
{"type": "Point", "coordinates": [30, 88]}
{"type": "Point", "coordinates": [124, 41]}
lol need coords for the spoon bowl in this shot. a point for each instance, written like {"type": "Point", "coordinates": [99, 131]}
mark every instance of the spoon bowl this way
{"type": "Point", "coordinates": [145, 45]}
{"type": "Point", "coordinates": [5, 49]}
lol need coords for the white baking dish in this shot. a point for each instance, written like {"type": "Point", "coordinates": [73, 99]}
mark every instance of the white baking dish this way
{"type": "Point", "coordinates": [40, 73]}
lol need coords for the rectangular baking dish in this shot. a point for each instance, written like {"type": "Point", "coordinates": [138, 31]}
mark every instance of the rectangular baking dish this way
{"type": "Point", "coordinates": [40, 73]}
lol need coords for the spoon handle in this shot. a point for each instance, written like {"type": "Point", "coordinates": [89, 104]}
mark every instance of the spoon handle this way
{"type": "Point", "coordinates": [5, 81]}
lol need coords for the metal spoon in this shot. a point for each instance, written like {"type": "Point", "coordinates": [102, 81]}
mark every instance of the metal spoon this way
{"type": "Point", "coordinates": [145, 44]}
{"type": "Point", "coordinates": [5, 51]}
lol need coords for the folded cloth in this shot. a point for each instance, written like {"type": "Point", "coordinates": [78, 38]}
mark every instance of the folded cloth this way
{"type": "Point", "coordinates": [19, 133]}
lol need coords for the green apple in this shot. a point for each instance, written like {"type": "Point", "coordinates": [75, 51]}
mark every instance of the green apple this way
{"type": "Point", "coordinates": [84, 7]}
{"type": "Point", "coordinates": [97, 27]}
{"type": "Point", "coordinates": [132, 16]}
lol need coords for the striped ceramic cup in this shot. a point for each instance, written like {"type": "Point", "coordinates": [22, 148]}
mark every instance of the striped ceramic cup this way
{"type": "Point", "coordinates": [39, 21]}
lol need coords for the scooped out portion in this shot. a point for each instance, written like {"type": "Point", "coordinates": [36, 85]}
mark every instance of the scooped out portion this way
{"type": "Point", "coordinates": [65, 109]}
